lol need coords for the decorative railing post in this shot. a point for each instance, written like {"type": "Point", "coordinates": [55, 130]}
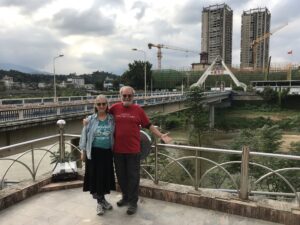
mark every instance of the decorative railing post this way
{"type": "Point", "coordinates": [33, 164]}
{"type": "Point", "coordinates": [196, 170]}
{"type": "Point", "coordinates": [61, 125]}
{"type": "Point", "coordinates": [155, 161]}
{"type": "Point", "coordinates": [21, 114]}
{"type": "Point", "coordinates": [58, 111]}
{"type": "Point", "coordinates": [244, 189]}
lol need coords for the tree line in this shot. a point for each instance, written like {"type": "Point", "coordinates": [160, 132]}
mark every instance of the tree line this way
{"type": "Point", "coordinates": [133, 76]}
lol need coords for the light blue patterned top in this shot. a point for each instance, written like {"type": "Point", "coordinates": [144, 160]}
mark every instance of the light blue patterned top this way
{"type": "Point", "coordinates": [88, 133]}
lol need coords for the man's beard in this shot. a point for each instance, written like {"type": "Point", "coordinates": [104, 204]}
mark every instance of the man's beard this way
{"type": "Point", "coordinates": [127, 104]}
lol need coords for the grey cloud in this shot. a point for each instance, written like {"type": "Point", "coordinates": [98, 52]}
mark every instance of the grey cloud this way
{"type": "Point", "coordinates": [90, 22]}
{"type": "Point", "coordinates": [116, 59]}
{"type": "Point", "coordinates": [104, 61]}
{"type": "Point", "coordinates": [111, 3]}
{"type": "Point", "coordinates": [26, 5]}
{"type": "Point", "coordinates": [141, 7]}
{"type": "Point", "coordinates": [191, 12]}
{"type": "Point", "coordinates": [237, 4]}
{"type": "Point", "coordinates": [35, 51]}
{"type": "Point", "coordinates": [283, 12]}
{"type": "Point", "coordinates": [162, 28]}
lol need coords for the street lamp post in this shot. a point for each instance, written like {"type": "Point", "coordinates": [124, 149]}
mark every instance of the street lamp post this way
{"type": "Point", "coordinates": [54, 80]}
{"type": "Point", "coordinates": [145, 70]}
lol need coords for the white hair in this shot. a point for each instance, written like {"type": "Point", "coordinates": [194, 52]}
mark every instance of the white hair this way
{"type": "Point", "coordinates": [127, 87]}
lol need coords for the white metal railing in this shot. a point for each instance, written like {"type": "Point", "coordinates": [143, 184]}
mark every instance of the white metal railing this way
{"type": "Point", "coordinates": [242, 184]}
{"type": "Point", "coordinates": [32, 111]}
{"type": "Point", "coordinates": [160, 163]}
{"type": "Point", "coordinates": [71, 99]}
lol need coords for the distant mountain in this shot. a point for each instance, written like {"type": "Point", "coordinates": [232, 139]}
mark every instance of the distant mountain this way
{"type": "Point", "coordinates": [23, 69]}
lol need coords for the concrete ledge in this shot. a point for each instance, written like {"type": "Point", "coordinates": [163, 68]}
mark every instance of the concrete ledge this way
{"type": "Point", "coordinates": [186, 195]}
{"type": "Point", "coordinates": [16, 193]}
{"type": "Point", "coordinates": [62, 185]}
{"type": "Point", "coordinates": [180, 194]}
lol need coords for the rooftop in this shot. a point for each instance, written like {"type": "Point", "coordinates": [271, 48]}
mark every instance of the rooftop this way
{"type": "Point", "coordinates": [72, 206]}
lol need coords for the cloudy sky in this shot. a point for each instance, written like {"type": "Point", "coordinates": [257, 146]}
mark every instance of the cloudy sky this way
{"type": "Point", "coordinates": [99, 34]}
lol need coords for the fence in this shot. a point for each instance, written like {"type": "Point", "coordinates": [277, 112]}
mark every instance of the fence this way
{"type": "Point", "coordinates": [165, 159]}
{"type": "Point", "coordinates": [28, 112]}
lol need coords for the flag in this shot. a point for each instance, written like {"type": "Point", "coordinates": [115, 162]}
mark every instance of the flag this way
{"type": "Point", "coordinates": [290, 52]}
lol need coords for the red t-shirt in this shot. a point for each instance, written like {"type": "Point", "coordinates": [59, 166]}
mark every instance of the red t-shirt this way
{"type": "Point", "coordinates": [127, 131]}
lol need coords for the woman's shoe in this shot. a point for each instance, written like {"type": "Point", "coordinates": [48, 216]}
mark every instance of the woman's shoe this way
{"type": "Point", "coordinates": [100, 210]}
{"type": "Point", "coordinates": [106, 205]}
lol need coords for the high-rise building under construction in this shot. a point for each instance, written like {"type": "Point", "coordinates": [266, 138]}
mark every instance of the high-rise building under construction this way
{"type": "Point", "coordinates": [255, 38]}
{"type": "Point", "coordinates": [216, 37]}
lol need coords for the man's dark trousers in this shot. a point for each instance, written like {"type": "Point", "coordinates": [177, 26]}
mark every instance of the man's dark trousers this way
{"type": "Point", "coordinates": [128, 174]}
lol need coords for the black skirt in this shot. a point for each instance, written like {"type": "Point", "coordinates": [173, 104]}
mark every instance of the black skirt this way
{"type": "Point", "coordinates": [99, 176]}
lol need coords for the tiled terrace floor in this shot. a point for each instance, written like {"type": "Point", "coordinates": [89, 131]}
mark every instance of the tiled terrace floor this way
{"type": "Point", "coordinates": [73, 207]}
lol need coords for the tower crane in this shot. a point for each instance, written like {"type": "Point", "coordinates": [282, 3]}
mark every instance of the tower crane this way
{"type": "Point", "coordinates": [261, 38]}
{"type": "Point", "coordinates": [159, 53]}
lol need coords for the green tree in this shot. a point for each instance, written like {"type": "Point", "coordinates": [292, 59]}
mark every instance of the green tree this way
{"type": "Point", "coordinates": [198, 119]}
{"type": "Point", "coordinates": [269, 95]}
{"type": "Point", "coordinates": [116, 83]}
{"type": "Point", "coordinates": [268, 139]}
{"type": "Point", "coordinates": [295, 148]}
{"type": "Point", "coordinates": [99, 85]}
{"type": "Point", "coordinates": [134, 76]}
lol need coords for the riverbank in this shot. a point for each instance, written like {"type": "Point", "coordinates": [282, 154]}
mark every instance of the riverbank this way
{"type": "Point", "coordinates": [223, 139]}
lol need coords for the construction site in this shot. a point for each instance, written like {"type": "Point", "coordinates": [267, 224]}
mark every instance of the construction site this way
{"type": "Point", "coordinates": [216, 41]}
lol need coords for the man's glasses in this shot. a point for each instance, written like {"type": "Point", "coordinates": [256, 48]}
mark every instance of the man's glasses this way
{"type": "Point", "coordinates": [127, 96]}
{"type": "Point", "coordinates": [101, 104]}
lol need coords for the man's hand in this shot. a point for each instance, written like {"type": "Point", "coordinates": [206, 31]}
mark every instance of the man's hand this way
{"type": "Point", "coordinates": [165, 138]}
{"type": "Point", "coordinates": [85, 121]}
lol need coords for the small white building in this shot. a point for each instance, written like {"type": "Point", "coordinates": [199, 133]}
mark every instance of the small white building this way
{"type": "Point", "coordinates": [42, 85]}
{"type": "Point", "coordinates": [8, 81]}
{"type": "Point", "coordinates": [107, 84]}
{"type": "Point", "coordinates": [77, 82]}
{"type": "Point", "coordinates": [89, 86]}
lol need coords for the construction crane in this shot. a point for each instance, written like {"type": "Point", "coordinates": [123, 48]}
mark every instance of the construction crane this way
{"type": "Point", "coordinates": [261, 38]}
{"type": "Point", "coordinates": [159, 53]}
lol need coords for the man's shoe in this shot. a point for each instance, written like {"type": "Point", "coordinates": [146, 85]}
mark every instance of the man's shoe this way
{"type": "Point", "coordinates": [100, 210]}
{"type": "Point", "coordinates": [132, 209]}
{"type": "Point", "coordinates": [122, 202]}
{"type": "Point", "coordinates": [106, 205]}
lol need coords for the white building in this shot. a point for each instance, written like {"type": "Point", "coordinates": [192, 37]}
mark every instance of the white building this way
{"type": "Point", "coordinates": [107, 84]}
{"type": "Point", "coordinates": [77, 82]}
{"type": "Point", "coordinates": [42, 85]}
{"type": "Point", "coordinates": [8, 81]}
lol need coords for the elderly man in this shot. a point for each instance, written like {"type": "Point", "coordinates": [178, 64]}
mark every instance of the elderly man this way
{"type": "Point", "coordinates": [129, 118]}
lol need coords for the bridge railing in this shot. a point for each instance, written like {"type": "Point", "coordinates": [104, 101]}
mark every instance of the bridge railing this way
{"type": "Point", "coordinates": [173, 163]}
{"type": "Point", "coordinates": [50, 100]}
{"type": "Point", "coordinates": [33, 111]}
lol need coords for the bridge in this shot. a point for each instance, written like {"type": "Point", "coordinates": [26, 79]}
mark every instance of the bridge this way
{"type": "Point", "coordinates": [245, 203]}
{"type": "Point", "coordinates": [24, 119]}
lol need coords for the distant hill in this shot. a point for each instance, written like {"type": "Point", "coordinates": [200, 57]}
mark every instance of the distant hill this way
{"type": "Point", "coordinates": [23, 69]}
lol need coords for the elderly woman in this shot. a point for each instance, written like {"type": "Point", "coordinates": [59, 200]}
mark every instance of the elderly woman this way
{"type": "Point", "coordinates": [96, 143]}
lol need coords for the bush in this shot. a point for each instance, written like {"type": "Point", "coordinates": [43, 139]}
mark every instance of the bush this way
{"type": "Point", "coordinates": [172, 122]}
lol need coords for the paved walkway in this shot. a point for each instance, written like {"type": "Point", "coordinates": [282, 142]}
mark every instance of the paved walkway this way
{"type": "Point", "coordinates": [73, 207]}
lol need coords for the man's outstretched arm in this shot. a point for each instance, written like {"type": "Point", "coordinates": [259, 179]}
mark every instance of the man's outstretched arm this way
{"type": "Point", "coordinates": [164, 137]}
